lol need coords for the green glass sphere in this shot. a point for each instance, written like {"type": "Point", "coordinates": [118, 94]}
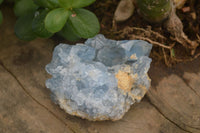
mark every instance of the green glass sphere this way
{"type": "Point", "coordinates": [154, 10]}
{"type": "Point", "coordinates": [1, 17]}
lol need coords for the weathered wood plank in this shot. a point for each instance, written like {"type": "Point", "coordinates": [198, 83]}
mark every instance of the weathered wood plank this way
{"type": "Point", "coordinates": [174, 98]}
{"type": "Point", "coordinates": [193, 81]}
{"type": "Point", "coordinates": [20, 114]}
{"type": "Point", "coordinates": [27, 63]}
{"type": "Point", "coordinates": [141, 118]}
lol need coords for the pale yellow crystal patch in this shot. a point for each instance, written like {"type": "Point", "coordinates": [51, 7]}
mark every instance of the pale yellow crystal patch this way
{"type": "Point", "coordinates": [125, 80]}
{"type": "Point", "coordinates": [133, 56]}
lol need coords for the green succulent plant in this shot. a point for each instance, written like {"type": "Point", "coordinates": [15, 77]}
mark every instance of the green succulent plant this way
{"type": "Point", "coordinates": [1, 1]}
{"type": "Point", "coordinates": [44, 18]}
{"type": "Point", "coordinates": [154, 10]}
{"type": "Point", "coordinates": [1, 16]}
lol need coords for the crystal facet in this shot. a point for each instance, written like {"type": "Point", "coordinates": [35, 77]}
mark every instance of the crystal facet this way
{"type": "Point", "coordinates": [101, 79]}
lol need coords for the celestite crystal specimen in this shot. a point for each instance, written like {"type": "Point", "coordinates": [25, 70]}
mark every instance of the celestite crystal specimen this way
{"type": "Point", "coordinates": [101, 79]}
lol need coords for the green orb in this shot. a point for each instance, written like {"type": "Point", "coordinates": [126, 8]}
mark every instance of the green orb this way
{"type": "Point", "coordinates": [154, 10]}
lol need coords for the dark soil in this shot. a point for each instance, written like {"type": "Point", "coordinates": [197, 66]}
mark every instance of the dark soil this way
{"type": "Point", "coordinates": [105, 9]}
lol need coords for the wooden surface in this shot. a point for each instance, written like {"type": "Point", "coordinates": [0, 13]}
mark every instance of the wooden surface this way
{"type": "Point", "coordinates": [171, 106]}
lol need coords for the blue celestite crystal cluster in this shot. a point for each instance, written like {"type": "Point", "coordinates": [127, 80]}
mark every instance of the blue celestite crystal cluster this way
{"type": "Point", "coordinates": [101, 79]}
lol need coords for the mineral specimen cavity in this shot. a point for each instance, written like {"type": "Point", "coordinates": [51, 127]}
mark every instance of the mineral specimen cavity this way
{"type": "Point", "coordinates": [101, 79]}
